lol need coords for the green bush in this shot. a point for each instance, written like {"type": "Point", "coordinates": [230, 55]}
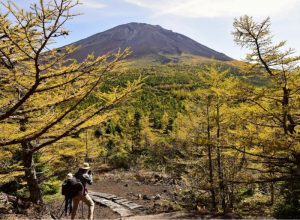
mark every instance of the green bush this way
{"type": "Point", "coordinates": [120, 159]}
{"type": "Point", "coordinates": [286, 211]}
{"type": "Point", "coordinates": [255, 204]}
{"type": "Point", "coordinates": [244, 193]}
{"type": "Point", "coordinates": [51, 187]}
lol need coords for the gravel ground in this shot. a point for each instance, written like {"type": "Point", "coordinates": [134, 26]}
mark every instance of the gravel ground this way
{"type": "Point", "coordinates": [134, 187]}
{"type": "Point", "coordinates": [100, 212]}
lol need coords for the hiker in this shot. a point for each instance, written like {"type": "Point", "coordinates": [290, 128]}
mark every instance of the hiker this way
{"type": "Point", "coordinates": [84, 174]}
{"type": "Point", "coordinates": [69, 192]}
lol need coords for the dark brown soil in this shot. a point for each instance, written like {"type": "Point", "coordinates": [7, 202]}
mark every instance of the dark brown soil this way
{"type": "Point", "coordinates": [13, 217]}
{"type": "Point", "coordinates": [100, 212]}
{"type": "Point", "coordinates": [128, 184]}
{"type": "Point", "coordinates": [134, 186]}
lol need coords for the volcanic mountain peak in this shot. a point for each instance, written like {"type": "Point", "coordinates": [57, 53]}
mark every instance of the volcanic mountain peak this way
{"type": "Point", "coordinates": [144, 40]}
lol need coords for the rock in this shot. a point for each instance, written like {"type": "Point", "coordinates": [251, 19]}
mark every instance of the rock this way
{"type": "Point", "coordinates": [157, 197]}
{"type": "Point", "coordinates": [139, 196]}
{"type": "Point", "coordinates": [174, 182]}
{"type": "Point", "coordinates": [5, 205]}
{"type": "Point", "coordinates": [156, 176]}
{"type": "Point", "coordinates": [156, 206]}
{"type": "Point", "coordinates": [138, 183]}
{"type": "Point", "coordinates": [11, 198]}
{"type": "Point", "coordinates": [201, 209]}
{"type": "Point", "coordinates": [130, 194]}
{"type": "Point", "coordinates": [170, 208]}
{"type": "Point", "coordinates": [145, 197]}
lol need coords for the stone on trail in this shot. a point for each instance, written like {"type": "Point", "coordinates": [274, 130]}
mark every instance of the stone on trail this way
{"type": "Point", "coordinates": [157, 197]}
{"type": "Point", "coordinates": [139, 196]}
{"type": "Point", "coordinates": [145, 197]}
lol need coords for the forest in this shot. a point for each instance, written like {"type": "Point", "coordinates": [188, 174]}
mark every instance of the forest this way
{"type": "Point", "coordinates": [229, 130]}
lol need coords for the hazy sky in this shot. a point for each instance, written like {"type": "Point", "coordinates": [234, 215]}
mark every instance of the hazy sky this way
{"type": "Point", "coordinates": [207, 21]}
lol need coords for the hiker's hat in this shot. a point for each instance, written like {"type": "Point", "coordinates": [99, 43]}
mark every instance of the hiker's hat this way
{"type": "Point", "coordinates": [85, 166]}
{"type": "Point", "coordinates": [69, 176]}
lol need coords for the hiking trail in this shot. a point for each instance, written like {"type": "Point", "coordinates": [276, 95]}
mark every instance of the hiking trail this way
{"type": "Point", "coordinates": [120, 205]}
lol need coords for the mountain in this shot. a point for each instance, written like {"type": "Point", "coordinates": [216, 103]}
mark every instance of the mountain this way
{"type": "Point", "coordinates": [145, 40]}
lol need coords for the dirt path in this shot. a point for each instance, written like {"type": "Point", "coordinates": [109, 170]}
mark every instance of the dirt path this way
{"type": "Point", "coordinates": [153, 193]}
{"type": "Point", "coordinates": [141, 188]}
{"type": "Point", "coordinates": [128, 188]}
{"type": "Point", "coordinates": [170, 215]}
{"type": "Point", "coordinates": [132, 211]}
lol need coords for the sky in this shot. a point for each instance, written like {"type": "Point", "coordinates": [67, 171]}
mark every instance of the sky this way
{"type": "Point", "coordinates": [207, 21]}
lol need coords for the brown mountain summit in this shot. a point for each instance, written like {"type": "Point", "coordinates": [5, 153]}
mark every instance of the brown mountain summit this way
{"type": "Point", "coordinates": [144, 40]}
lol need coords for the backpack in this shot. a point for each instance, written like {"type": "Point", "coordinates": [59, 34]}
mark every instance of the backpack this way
{"type": "Point", "coordinates": [71, 187]}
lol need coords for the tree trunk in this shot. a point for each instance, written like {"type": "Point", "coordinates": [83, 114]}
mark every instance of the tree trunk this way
{"type": "Point", "coordinates": [231, 197]}
{"type": "Point", "coordinates": [219, 160]}
{"type": "Point", "coordinates": [35, 194]}
{"type": "Point", "coordinates": [285, 103]}
{"type": "Point", "coordinates": [272, 191]}
{"type": "Point", "coordinates": [296, 181]}
{"type": "Point", "coordinates": [86, 146]}
{"type": "Point", "coordinates": [30, 175]}
{"type": "Point", "coordinates": [211, 177]}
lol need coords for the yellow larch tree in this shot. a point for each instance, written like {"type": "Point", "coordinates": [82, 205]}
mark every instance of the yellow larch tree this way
{"type": "Point", "coordinates": [44, 95]}
{"type": "Point", "coordinates": [271, 136]}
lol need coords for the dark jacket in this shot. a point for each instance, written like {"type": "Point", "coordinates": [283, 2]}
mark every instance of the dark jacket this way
{"type": "Point", "coordinates": [71, 187]}
{"type": "Point", "coordinates": [85, 178]}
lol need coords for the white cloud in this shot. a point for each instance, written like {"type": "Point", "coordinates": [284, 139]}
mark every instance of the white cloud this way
{"type": "Point", "coordinates": [216, 8]}
{"type": "Point", "coordinates": [93, 4]}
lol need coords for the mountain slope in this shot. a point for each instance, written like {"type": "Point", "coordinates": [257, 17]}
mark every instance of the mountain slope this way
{"type": "Point", "coordinates": [144, 40]}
